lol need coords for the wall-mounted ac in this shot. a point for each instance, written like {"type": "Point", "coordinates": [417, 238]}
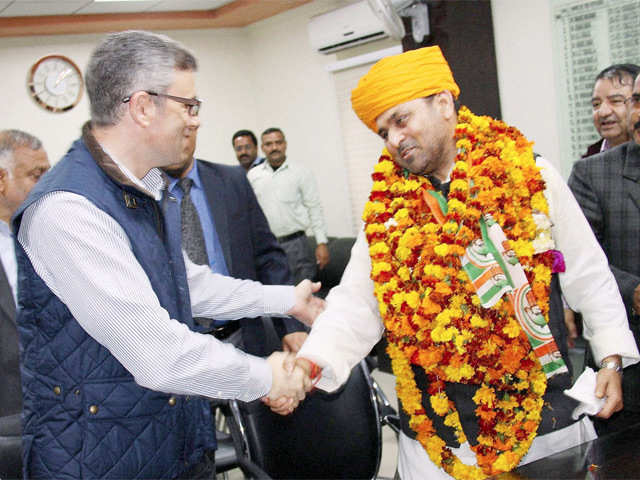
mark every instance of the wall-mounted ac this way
{"type": "Point", "coordinates": [345, 27]}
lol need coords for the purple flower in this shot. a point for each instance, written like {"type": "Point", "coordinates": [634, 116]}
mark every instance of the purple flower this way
{"type": "Point", "coordinates": [558, 265]}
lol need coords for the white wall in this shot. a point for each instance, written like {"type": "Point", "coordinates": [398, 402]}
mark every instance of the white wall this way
{"type": "Point", "coordinates": [523, 37]}
{"type": "Point", "coordinates": [268, 75]}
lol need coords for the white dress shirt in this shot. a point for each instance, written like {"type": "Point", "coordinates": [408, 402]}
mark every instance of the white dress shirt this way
{"type": "Point", "coordinates": [351, 324]}
{"type": "Point", "coordinates": [85, 258]}
{"type": "Point", "coordinates": [289, 199]}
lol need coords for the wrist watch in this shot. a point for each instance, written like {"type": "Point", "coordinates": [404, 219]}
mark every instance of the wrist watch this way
{"type": "Point", "coordinates": [612, 365]}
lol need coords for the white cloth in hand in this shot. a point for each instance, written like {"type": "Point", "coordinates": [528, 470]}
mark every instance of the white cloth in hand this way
{"type": "Point", "coordinates": [584, 391]}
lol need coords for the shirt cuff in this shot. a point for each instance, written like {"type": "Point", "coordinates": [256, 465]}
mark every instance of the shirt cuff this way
{"type": "Point", "coordinates": [278, 299]}
{"type": "Point", "coordinates": [260, 379]}
{"type": "Point", "coordinates": [321, 238]}
{"type": "Point", "coordinates": [611, 342]}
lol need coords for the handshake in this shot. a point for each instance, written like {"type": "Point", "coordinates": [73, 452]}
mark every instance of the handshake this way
{"type": "Point", "coordinates": [292, 380]}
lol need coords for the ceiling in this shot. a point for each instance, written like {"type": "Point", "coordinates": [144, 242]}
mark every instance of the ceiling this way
{"type": "Point", "coordinates": [18, 8]}
{"type": "Point", "coordinates": [51, 17]}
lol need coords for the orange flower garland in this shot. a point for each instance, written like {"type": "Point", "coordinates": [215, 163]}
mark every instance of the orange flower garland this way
{"type": "Point", "coordinates": [432, 315]}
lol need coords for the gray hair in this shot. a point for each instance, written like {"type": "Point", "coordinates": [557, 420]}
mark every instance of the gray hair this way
{"type": "Point", "coordinates": [127, 62]}
{"type": "Point", "coordinates": [621, 72]}
{"type": "Point", "coordinates": [10, 141]}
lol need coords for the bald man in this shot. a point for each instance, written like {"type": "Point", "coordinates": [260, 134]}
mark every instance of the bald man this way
{"type": "Point", "coordinates": [469, 242]}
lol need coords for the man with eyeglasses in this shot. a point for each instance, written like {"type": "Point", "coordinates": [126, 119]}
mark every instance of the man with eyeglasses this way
{"type": "Point", "coordinates": [607, 187]}
{"type": "Point", "coordinates": [245, 145]}
{"type": "Point", "coordinates": [114, 376]}
{"type": "Point", "coordinates": [612, 88]}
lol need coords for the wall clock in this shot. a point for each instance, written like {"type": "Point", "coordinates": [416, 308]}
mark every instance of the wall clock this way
{"type": "Point", "coordinates": [55, 83]}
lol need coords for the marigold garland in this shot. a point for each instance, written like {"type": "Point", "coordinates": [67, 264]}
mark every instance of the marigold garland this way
{"type": "Point", "coordinates": [432, 315]}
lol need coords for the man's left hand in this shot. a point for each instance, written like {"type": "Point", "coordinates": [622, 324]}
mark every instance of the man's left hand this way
{"type": "Point", "coordinates": [322, 255]}
{"type": "Point", "coordinates": [307, 306]}
{"type": "Point", "coordinates": [609, 385]}
{"type": "Point", "coordinates": [293, 341]}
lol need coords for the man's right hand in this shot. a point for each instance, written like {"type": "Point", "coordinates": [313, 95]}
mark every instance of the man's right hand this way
{"type": "Point", "coordinates": [288, 386]}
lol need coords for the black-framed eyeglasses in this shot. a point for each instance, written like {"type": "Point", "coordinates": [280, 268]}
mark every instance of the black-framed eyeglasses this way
{"type": "Point", "coordinates": [193, 104]}
{"type": "Point", "coordinates": [634, 100]}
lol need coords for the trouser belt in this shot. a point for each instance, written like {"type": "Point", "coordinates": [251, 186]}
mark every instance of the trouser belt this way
{"type": "Point", "coordinates": [291, 236]}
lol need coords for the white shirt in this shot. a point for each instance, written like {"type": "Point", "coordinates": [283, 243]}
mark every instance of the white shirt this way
{"type": "Point", "coordinates": [85, 258]}
{"type": "Point", "coordinates": [289, 198]}
{"type": "Point", "coordinates": [8, 258]}
{"type": "Point", "coordinates": [351, 324]}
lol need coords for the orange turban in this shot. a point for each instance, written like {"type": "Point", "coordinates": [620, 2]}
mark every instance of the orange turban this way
{"type": "Point", "coordinates": [400, 78]}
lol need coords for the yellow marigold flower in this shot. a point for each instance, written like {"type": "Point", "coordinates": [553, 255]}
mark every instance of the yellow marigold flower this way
{"type": "Point", "coordinates": [402, 253]}
{"type": "Point", "coordinates": [379, 187]}
{"type": "Point", "coordinates": [452, 420]}
{"type": "Point", "coordinates": [434, 445]}
{"type": "Point", "coordinates": [444, 318]}
{"type": "Point", "coordinates": [396, 203]}
{"type": "Point", "coordinates": [441, 250]}
{"type": "Point", "coordinates": [374, 228]}
{"type": "Point", "coordinates": [520, 416]}
{"type": "Point", "coordinates": [404, 273]}
{"type": "Point", "coordinates": [522, 248]}
{"type": "Point", "coordinates": [372, 208]}
{"type": "Point", "coordinates": [378, 248]}
{"type": "Point", "coordinates": [430, 228]}
{"type": "Point", "coordinates": [386, 166]}
{"type": "Point", "coordinates": [453, 374]}
{"type": "Point", "coordinates": [378, 267]}
{"type": "Point", "coordinates": [477, 321]}
{"type": "Point", "coordinates": [512, 329]}
{"type": "Point", "coordinates": [397, 300]}
{"type": "Point", "coordinates": [462, 167]}
{"type": "Point", "coordinates": [440, 334]}
{"type": "Point", "coordinates": [464, 144]}
{"type": "Point", "coordinates": [439, 403]}
{"type": "Point", "coordinates": [442, 288]}
{"type": "Point", "coordinates": [450, 228]}
{"type": "Point", "coordinates": [433, 271]}
{"type": "Point", "coordinates": [384, 308]}
{"type": "Point", "coordinates": [529, 404]}
{"type": "Point", "coordinates": [412, 299]}
{"type": "Point", "coordinates": [506, 461]}
{"type": "Point", "coordinates": [486, 396]}
{"type": "Point", "coordinates": [516, 174]}
{"type": "Point", "coordinates": [509, 404]}
{"type": "Point", "coordinates": [538, 202]}
{"type": "Point", "coordinates": [456, 205]}
{"type": "Point", "coordinates": [401, 215]}
{"type": "Point", "coordinates": [523, 385]}
{"type": "Point", "coordinates": [466, 371]}
{"type": "Point", "coordinates": [459, 185]}
{"type": "Point", "coordinates": [542, 273]}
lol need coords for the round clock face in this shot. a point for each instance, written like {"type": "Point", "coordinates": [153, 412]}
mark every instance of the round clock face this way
{"type": "Point", "coordinates": [55, 83]}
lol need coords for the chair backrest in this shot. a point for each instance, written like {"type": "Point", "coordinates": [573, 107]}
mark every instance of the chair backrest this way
{"type": "Point", "coordinates": [10, 447]}
{"type": "Point", "coordinates": [336, 435]}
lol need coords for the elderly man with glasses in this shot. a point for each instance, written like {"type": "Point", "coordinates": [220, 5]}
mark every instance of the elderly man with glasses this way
{"type": "Point", "coordinates": [607, 188]}
{"type": "Point", "coordinates": [114, 374]}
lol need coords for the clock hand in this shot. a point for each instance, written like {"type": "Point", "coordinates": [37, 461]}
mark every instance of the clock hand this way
{"type": "Point", "coordinates": [62, 75]}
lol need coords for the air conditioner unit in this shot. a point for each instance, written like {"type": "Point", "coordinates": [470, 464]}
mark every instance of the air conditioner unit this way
{"type": "Point", "coordinates": [345, 27]}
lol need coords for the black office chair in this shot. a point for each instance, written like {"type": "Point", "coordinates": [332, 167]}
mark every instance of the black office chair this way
{"type": "Point", "coordinates": [330, 435]}
{"type": "Point", "coordinates": [10, 447]}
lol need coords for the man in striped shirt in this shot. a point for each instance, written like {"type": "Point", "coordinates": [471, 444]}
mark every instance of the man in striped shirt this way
{"type": "Point", "coordinates": [113, 374]}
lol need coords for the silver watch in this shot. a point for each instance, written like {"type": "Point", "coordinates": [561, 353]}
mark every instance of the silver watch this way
{"type": "Point", "coordinates": [612, 365]}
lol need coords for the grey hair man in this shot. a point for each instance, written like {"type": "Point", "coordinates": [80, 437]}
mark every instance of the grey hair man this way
{"type": "Point", "coordinates": [22, 162]}
{"type": "Point", "coordinates": [114, 372]}
{"type": "Point", "coordinates": [611, 90]}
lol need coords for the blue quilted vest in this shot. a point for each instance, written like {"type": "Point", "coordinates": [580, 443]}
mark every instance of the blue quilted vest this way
{"type": "Point", "coordinates": [84, 415]}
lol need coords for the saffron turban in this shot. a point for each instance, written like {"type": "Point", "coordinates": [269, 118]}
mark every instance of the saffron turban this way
{"type": "Point", "coordinates": [401, 78]}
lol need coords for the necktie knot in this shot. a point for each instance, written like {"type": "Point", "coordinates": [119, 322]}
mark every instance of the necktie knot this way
{"type": "Point", "coordinates": [185, 184]}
